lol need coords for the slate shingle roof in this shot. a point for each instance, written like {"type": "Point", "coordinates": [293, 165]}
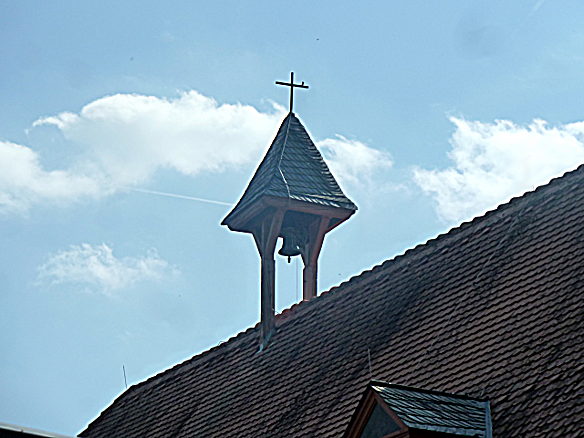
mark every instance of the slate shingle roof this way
{"type": "Point", "coordinates": [436, 411]}
{"type": "Point", "coordinates": [293, 168]}
{"type": "Point", "coordinates": [492, 308]}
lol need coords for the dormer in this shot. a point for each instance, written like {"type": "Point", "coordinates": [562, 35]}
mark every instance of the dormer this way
{"type": "Point", "coordinates": [395, 411]}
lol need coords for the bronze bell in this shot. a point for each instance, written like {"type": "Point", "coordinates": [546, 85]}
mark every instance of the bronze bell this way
{"type": "Point", "coordinates": [290, 243]}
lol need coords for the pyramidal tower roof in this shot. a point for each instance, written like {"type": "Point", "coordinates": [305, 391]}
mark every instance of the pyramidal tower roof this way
{"type": "Point", "coordinates": [293, 169]}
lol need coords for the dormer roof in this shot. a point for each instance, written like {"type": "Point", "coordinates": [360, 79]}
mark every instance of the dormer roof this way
{"type": "Point", "coordinates": [390, 410]}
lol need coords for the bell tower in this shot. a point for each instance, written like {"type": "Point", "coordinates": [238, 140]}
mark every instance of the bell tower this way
{"type": "Point", "coordinates": [292, 195]}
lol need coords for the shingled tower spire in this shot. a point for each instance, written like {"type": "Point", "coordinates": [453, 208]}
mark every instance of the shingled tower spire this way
{"type": "Point", "coordinates": [292, 195]}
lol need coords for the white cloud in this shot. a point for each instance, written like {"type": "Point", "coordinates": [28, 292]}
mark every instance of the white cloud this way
{"type": "Point", "coordinates": [493, 162]}
{"type": "Point", "coordinates": [352, 161]}
{"type": "Point", "coordinates": [23, 180]}
{"type": "Point", "coordinates": [96, 267]}
{"type": "Point", "coordinates": [128, 137]}
{"type": "Point", "coordinates": [121, 141]}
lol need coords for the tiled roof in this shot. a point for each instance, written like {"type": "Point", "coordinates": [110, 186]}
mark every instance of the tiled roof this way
{"type": "Point", "coordinates": [293, 168]}
{"type": "Point", "coordinates": [436, 411]}
{"type": "Point", "coordinates": [492, 308]}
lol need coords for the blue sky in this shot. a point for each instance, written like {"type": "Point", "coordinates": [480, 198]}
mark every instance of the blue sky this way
{"type": "Point", "coordinates": [428, 113]}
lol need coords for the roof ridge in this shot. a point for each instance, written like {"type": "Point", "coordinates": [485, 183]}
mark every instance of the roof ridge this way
{"type": "Point", "coordinates": [463, 226]}
{"type": "Point", "coordinates": [486, 215]}
{"type": "Point", "coordinates": [229, 342]}
{"type": "Point", "coordinates": [271, 173]}
{"type": "Point", "coordinates": [257, 173]}
{"type": "Point", "coordinates": [282, 149]}
{"type": "Point", "coordinates": [383, 383]}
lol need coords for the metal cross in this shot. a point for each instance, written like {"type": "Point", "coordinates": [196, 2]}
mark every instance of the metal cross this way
{"type": "Point", "coordinates": [291, 84]}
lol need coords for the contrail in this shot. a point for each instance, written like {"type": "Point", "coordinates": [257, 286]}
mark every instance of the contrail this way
{"type": "Point", "coordinates": [174, 195]}
{"type": "Point", "coordinates": [538, 4]}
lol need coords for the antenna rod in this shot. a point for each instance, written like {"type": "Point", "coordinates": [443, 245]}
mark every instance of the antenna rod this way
{"type": "Point", "coordinates": [125, 381]}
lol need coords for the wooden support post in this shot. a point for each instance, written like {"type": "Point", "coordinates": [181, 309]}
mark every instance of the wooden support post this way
{"type": "Point", "coordinates": [309, 276]}
{"type": "Point", "coordinates": [316, 232]}
{"type": "Point", "coordinates": [267, 296]}
{"type": "Point", "coordinates": [265, 238]}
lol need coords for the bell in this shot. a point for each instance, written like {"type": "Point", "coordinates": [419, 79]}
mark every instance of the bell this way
{"type": "Point", "coordinates": [290, 244]}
